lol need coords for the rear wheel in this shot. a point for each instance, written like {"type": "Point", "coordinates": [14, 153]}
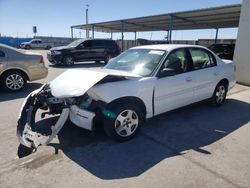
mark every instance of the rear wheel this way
{"type": "Point", "coordinates": [123, 121]}
{"type": "Point", "coordinates": [219, 95]}
{"type": "Point", "coordinates": [68, 60]}
{"type": "Point", "coordinates": [13, 81]}
{"type": "Point", "coordinates": [48, 47]}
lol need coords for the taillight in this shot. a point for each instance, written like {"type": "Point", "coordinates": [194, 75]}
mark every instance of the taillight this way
{"type": "Point", "coordinates": [41, 60]}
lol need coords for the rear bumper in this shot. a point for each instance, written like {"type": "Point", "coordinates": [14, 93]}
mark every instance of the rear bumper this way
{"type": "Point", "coordinates": [39, 74]}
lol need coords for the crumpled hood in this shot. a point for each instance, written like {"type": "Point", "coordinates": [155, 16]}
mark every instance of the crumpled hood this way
{"type": "Point", "coordinates": [74, 83]}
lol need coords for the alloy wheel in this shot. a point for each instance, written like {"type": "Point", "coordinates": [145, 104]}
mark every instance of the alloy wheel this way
{"type": "Point", "coordinates": [126, 123]}
{"type": "Point", "coordinates": [220, 94]}
{"type": "Point", "coordinates": [14, 82]}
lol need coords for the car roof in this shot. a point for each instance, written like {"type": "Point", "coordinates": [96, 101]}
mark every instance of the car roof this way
{"type": "Point", "coordinates": [167, 47]}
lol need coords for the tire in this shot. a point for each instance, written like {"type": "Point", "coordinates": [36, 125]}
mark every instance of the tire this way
{"type": "Point", "coordinates": [48, 47]}
{"type": "Point", "coordinates": [68, 60]}
{"type": "Point", "coordinates": [122, 121]}
{"type": "Point", "coordinates": [13, 81]}
{"type": "Point", "coordinates": [219, 94]}
{"type": "Point", "coordinates": [28, 47]}
{"type": "Point", "coordinates": [107, 58]}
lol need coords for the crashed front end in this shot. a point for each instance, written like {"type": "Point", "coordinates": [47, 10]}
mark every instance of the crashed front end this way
{"type": "Point", "coordinates": [67, 97]}
{"type": "Point", "coordinates": [80, 110]}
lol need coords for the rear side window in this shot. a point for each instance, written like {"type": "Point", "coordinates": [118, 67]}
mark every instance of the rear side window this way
{"type": "Point", "coordinates": [2, 54]}
{"type": "Point", "coordinates": [111, 44]}
{"type": "Point", "coordinates": [202, 58]}
{"type": "Point", "coordinates": [94, 44]}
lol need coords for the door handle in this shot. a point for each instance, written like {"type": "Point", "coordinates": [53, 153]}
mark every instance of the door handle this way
{"type": "Point", "coordinates": [189, 79]}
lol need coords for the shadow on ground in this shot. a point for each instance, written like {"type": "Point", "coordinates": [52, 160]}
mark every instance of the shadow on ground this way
{"type": "Point", "coordinates": [164, 136]}
{"type": "Point", "coordinates": [6, 96]}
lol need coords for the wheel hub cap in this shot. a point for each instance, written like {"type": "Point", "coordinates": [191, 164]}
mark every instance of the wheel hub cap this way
{"type": "Point", "coordinates": [126, 123]}
{"type": "Point", "coordinates": [221, 92]}
{"type": "Point", "coordinates": [14, 82]}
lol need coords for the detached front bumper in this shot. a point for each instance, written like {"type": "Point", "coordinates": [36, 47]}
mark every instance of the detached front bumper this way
{"type": "Point", "coordinates": [28, 132]}
{"type": "Point", "coordinates": [26, 128]}
{"type": "Point", "coordinates": [81, 117]}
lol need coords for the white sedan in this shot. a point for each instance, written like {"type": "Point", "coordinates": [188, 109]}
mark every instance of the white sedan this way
{"type": "Point", "coordinates": [140, 83]}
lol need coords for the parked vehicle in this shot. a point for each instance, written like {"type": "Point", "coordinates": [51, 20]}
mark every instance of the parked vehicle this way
{"type": "Point", "coordinates": [84, 50]}
{"type": "Point", "coordinates": [224, 51]}
{"type": "Point", "coordinates": [36, 43]}
{"type": "Point", "coordinates": [139, 84]}
{"type": "Point", "coordinates": [17, 66]}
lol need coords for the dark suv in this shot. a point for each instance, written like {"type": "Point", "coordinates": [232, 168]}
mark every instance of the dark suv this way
{"type": "Point", "coordinates": [224, 51]}
{"type": "Point", "coordinates": [84, 50]}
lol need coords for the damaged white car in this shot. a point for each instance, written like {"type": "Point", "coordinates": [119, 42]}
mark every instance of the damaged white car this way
{"type": "Point", "coordinates": [140, 83]}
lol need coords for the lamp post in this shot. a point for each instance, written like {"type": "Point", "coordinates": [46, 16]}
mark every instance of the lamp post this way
{"type": "Point", "coordinates": [87, 20]}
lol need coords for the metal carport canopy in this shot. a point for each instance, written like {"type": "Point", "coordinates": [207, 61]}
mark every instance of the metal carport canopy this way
{"type": "Point", "coordinates": [207, 18]}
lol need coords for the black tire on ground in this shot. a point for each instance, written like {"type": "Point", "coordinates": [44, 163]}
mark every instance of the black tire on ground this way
{"type": "Point", "coordinates": [122, 121]}
{"type": "Point", "coordinates": [107, 58]}
{"type": "Point", "coordinates": [219, 94]}
{"type": "Point", "coordinates": [13, 80]}
{"type": "Point", "coordinates": [48, 47]}
{"type": "Point", "coordinates": [68, 60]}
{"type": "Point", "coordinates": [27, 47]}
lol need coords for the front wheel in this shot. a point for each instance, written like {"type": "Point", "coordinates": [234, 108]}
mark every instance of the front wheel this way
{"type": "Point", "coordinates": [122, 122]}
{"type": "Point", "coordinates": [68, 60]}
{"type": "Point", "coordinates": [219, 95]}
{"type": "Point", "coordinates": [107, 58]}
{"type": "Point", "coordinates": [27, 47]}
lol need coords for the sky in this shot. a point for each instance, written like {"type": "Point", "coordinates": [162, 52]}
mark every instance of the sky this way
{"type": "Point", "coordinates": [54, 17]}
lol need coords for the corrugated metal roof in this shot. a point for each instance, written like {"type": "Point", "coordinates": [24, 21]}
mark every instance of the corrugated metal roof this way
{"type": "Point", "coordinates": [215, 17]}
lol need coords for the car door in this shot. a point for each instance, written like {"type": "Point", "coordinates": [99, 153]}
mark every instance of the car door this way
{"type": "Point", "coordinates": [205, 73]}
{"type": "Point", "coordinates": [39, 44]}
{"type": "Point", "coordinates": [172, 92]}
{"type": "Point", "coordinates": [35, 44]}
{"type": "Point", "coordinates": [81, 51]}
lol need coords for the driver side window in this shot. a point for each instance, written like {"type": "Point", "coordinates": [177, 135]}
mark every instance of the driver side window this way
{"type": "Point", "coordinates": [177, 60]}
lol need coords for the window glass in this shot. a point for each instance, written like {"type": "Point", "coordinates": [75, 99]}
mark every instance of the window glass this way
{"type": "Point", "coordinates": [177, 60]}
{"type": "Point", "coordinates": [2, 54]}
{"type": "Point", "coordinates": [88, 44]}
{"type": "Point", "coordinates": [201, 59]}
{"type": "Point", "coordinates": [139, 61]}
{"type": "Point", "coordinates": [111, 44]}
{"type": "Point", "coordinates": [97, 43]}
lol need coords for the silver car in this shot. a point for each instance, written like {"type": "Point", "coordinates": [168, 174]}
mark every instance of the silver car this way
{"type": "Point", "coordinates": [19, 66]}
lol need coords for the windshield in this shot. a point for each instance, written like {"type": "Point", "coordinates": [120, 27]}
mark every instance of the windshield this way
{"type": "Point", "coordinates": [75, 43]}
{"type": "Point", "coordinates": [137, 61]}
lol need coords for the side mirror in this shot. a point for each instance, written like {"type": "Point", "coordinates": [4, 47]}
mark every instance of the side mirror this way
{"type": "Point", "coordinates": [166, 72]}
